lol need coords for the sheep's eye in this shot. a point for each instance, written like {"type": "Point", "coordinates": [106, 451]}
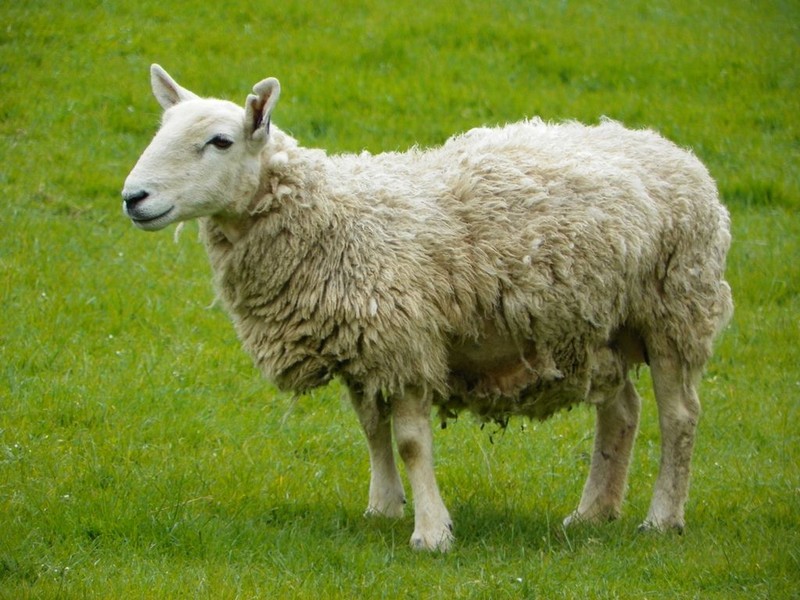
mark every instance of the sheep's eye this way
{"type": "Point", "coordinates": [221, 142]}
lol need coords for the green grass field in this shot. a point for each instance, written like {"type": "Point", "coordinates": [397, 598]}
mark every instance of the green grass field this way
{"type": "Point", "coordinates": [141, 455]}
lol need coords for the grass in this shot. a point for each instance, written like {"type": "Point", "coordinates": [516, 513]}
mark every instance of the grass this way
{"type": "Point", "coordinates": [141, 455]}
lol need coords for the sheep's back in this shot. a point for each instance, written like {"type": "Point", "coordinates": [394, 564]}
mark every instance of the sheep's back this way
{"type": "Point", "coordinates": [555, 231]}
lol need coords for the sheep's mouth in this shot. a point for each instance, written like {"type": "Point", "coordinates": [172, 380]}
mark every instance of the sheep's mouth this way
{"type": "Point", "coordinates": [148, 222]}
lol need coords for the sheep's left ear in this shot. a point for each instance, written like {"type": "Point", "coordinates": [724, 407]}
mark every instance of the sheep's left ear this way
{"type": "Point", "coordinates": [166, 90]}
{"type": "Point", "coordinates": [259, 107]}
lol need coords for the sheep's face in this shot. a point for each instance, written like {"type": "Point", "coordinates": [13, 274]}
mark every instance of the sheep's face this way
{"type": "Point", "coordinates": [204, 161]}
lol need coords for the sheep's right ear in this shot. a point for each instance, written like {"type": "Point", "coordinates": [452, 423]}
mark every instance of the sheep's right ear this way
{"type": "Point", "coordinates": [166, 90]}
{"type": "Point", "coordinates": [259, 108]}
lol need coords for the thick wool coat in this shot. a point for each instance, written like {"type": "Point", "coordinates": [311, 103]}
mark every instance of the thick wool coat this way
{"type": "Point", "coordinates": [514, 270]}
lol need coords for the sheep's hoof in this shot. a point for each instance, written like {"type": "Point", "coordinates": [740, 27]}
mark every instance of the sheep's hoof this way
{"type": "Point", "coordinates": [652, 526]}
{"type": "Point", "coordinates": [393, 511]}
{"type": "Point", "coordinates": [572, 519]}
{"type": "Point", "coordinates": [597, 518]}
{"type": "Point", "coordinates": [439, 540]}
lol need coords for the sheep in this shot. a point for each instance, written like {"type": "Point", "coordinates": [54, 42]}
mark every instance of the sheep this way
{"type": "Point", "coordinates": [513, 271]}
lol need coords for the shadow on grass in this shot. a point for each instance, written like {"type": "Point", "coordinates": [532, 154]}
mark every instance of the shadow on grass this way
{"type": "Point", "coordinates": [538, 530]}
{"type": "Point", "coordinates": [309, 528]}
{"type": "Point", "coordinates": [481, 528]}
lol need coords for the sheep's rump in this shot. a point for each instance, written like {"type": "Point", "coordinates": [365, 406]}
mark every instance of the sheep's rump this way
{"type": "Point", "coordinates": [514, 270]}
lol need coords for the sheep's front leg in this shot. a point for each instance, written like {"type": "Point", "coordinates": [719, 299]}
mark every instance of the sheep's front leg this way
{"type": "Point", "coordinates": [678, 413]}
{"type": "Point", "coordinates": [386, 495]}
{"type": "Point", "coordinates": [617, 422]}
{"type": "Point", "coordinates": [433, 529]}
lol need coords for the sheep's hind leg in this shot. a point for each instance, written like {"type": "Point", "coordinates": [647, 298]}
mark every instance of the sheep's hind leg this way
{"type": "Point", "coordinates": [617, 423]}
{"type": "Point", "coordinates": [433, 529]}
{"type": "Point", "coordinates": [386, 495]}
{"type": "Point", "coordinates": [678, 412]}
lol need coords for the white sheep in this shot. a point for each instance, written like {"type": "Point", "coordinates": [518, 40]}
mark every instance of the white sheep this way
{"type": "Point", "coordinates": [513, 271]}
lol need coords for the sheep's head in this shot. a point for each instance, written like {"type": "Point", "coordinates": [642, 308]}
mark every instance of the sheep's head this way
{"type": "Point", "coordinates": [204, 160]}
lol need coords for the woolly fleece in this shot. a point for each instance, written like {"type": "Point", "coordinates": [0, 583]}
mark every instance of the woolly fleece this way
{"type": "Point", "coordinates": [514, 270]}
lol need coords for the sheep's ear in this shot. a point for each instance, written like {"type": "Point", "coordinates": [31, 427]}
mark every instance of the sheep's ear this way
{"type": "Point", "coordinates": [166, 90]}
{"type": "Point", "coordinates": [259, 108]}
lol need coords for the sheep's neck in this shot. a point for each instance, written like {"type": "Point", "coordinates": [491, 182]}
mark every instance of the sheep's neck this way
{"type": "Point", "coordinates": [294, 178]}
{"type": "Point", "coordinates": [233, 228]}
{"type": "Point", "coordinates": [234, 225]}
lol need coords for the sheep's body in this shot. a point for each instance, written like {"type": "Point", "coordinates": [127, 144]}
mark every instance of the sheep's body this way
{"type": "Point", "coordinates": [548, 241]}
{"type": "Point", "coordinates": [513, 271]}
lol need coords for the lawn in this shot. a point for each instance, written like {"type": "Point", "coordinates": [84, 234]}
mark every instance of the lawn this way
{"type": "Point", "coordinates": [142, 456]}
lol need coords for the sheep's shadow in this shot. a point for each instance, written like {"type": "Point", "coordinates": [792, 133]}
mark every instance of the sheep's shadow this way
{"type": "Point", "coordinates": [477, 528]}
{"type": "Point", "coordinates": [340, 529]}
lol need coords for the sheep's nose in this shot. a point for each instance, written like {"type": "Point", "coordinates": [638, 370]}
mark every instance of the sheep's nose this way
{"type": "Point", "coordinates": [131, 199]}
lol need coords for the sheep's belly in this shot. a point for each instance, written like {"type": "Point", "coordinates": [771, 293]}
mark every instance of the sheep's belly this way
{"type": "Point", "coordinates": [495, 380]}
{"type": "Point", "coordinates": [498, 395]}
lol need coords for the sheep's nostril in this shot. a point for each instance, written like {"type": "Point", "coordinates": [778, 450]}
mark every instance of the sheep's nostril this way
{"type": "Point", "coordinates": [131, 199]}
